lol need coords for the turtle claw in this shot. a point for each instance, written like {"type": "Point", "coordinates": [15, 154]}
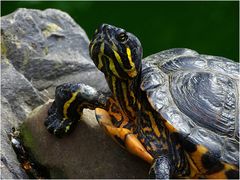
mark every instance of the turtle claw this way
{"type": "Point", "coordinates": [56, 124]}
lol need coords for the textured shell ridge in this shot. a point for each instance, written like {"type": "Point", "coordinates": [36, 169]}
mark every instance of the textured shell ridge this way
{"type": "Point", "coordinates": [222, 65]}
{"type": "Point", "coordinates": [198, 95]}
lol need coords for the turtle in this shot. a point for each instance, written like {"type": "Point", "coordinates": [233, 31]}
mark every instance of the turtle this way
{"type": "Point", "coordinates": [176, 109]}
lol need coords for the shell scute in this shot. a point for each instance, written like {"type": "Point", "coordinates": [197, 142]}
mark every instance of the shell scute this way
{"type": "Point", "coordinates": [197, 96]}
{"type": "Point", "coordinates": [183, 63]}
{"type": "Point", "coordinates": [230, 152]}
{"type": "Point", "coordinates": [209, 100]}
{"type": "Point", "coordinates": [221, 64]}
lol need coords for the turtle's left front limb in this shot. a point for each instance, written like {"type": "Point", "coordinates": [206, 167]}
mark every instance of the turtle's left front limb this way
{"type": "Point", "coordinates": [70, 100]}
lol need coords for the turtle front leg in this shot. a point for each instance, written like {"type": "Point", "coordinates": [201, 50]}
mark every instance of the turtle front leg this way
{"type": "Point", "coordinates": [66, 110]}
{"type": "Point", "coordinates": [161, 168]}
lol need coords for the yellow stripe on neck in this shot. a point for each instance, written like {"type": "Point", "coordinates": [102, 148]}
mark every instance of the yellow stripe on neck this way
{"type": "Point", "coordinates": [154, 125]}
{"type": "Point", "coordinates": [100, 63]}
{"type": "Point", "coordinates": [118, 57]}
{"type": "Point", "coordinates": [130, 57]}
{"type": "Point", "coordinates": [113, 68]}
{"type": "Point", "coordinates": [132, 72]}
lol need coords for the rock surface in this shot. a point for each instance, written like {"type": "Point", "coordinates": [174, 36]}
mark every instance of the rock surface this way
{"type": "Point", "coordinates": [40, 50]}
{"type": "Point", "coordinates": [86, 153]}
{"type": "Point", "coordinates": [48, 48]}
{"type": "Point", "coordinates": [18, 98]}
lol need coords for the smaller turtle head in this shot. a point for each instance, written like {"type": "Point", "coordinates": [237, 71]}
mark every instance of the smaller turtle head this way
{"type": "Point", "coordinates": [116, 52]}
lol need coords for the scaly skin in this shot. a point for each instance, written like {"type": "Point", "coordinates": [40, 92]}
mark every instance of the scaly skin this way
{"type": "Point", "coordinates": [126, 114]}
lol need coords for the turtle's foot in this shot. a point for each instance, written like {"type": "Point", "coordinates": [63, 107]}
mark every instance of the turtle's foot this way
{"type": "Point", "coordinates": [56, 124]}
{"type": "Point", "coordinates": [161, 168]}
{"type": "Point", "coordinates": [66, 110]}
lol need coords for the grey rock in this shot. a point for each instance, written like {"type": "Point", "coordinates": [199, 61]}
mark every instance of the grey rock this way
{"type": "Point", "coordinates": [18, 99]}
{"type": "Point", "coordinates": [40, 50]}
{"type": "Point", "coordinates": [48, 48]}
{"type": "Point", "coordinates": [86, 153]}
{"type": "Point", "coordinates": [10, 167]}
{"type": "Point", "coordinates": [18, 91]}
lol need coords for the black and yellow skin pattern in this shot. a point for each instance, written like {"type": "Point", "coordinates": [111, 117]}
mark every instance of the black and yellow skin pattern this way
{"type": "Point", "coordinates": [127, 116]}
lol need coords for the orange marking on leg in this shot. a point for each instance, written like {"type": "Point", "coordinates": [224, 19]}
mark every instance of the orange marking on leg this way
{"type": "Point", "coordinates": [135, 147]}
{"type": "Point", "coordinates": [132, 143]}
{"type": "Point", "coordinates": [104, 117]}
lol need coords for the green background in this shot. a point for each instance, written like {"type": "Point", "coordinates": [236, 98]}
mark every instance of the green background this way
{"type": "Point", "coordinates": [207, 27]}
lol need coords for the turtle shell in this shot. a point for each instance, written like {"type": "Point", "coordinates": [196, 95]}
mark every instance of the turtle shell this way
{"type": "Point", "coordinates": [198, 96]}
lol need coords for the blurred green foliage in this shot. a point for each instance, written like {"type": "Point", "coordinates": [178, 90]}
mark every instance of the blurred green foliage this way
{"type": "Point", "coordinates": [207, 27]}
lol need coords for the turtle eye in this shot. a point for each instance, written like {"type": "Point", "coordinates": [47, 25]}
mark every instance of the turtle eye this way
{"type": "Point", "coordinates": [122, 37]}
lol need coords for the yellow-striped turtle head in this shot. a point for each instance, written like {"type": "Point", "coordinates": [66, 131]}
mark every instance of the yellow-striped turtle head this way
{"type": "Point", "coordinates": [116, 52]}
